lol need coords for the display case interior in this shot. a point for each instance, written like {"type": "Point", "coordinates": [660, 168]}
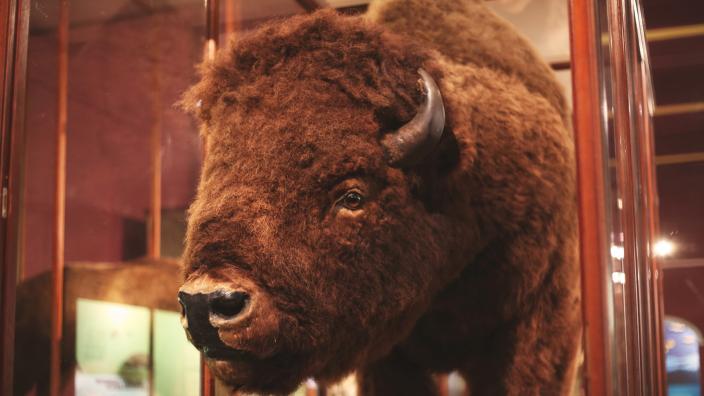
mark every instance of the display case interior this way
{"type": "Point", "coordinates": [100, 164]}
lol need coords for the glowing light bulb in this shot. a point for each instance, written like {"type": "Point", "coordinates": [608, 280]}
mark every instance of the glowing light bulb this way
{"type": "Point", "coordinates": [617, 252]}
{"type": "Point", "coordinates": [618, 277]}
{"type": "Point", "coordinates": [663, 248]}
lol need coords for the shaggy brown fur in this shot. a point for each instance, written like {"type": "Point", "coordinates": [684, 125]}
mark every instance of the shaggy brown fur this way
{"type": "Point", "coordinates": [467, 32]}
{"type": "Point", "coordinates": [464, 262]}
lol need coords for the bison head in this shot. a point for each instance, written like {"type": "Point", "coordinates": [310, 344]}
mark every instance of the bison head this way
{"type": "Point", "coordinates": [318, 236]}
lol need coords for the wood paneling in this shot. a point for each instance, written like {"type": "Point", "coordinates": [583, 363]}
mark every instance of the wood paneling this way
{"type": "Point", "coordinates": [679, 134]}
{"type": "Point", "coordinates": [7, 267]}
{"type": "Point", "coordinates": [590, 177]}
{"type": "Point", "coordinates": [14, 17]}
{"type": "Point", "coordinates": [59, 226]}
{"type": "Point", "coordinates": [678, 85]}
{"type": "Point", "coordinates": [666, 13]}
{"type": "Point", "coordinates": [679, 53]}
{"type": "Point", "coordinates": [682, 208]}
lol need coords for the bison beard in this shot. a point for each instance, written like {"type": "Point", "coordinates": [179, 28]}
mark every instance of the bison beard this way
{"type": "Point", "coordinates": [311, 252]}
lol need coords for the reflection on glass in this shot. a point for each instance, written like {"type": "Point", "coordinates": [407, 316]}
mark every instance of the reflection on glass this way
{"type": "Point", "coordinates": [633, 309]}
{"type": "Point", "coordinates": [176, 362]}
{"type": "Point", "coordinates": [683, 360]}
{"type": "Point", "coordinates": [132, 165]}
{"type": "Point", "coordinates": [113, 352]}
{"type": "Point", "coordinates": [112, 349]}
{"type": "Point", "coordinates": [679, 117]}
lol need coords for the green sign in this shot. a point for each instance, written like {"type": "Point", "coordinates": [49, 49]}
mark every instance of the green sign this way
{"type": "Point", "coordinates": [112, 352]}
{"type": "Point", "coordinates": [176, 361]}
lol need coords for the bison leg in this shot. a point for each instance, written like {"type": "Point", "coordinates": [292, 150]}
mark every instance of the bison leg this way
{"type": "Point", "coordinates": [533, 358]}
{"type": "Point", "coordinates": [395, 375]}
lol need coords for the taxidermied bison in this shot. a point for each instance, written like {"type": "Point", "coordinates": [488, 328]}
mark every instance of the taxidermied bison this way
{"type": "Point", "coordinates": [398, 204]}
{"type": "Point", "coordinates": [146, 283]}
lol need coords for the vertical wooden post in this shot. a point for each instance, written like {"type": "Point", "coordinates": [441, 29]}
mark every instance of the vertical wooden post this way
{"type": "Point", "coordinates": [154, 218]}
{"type": "Point", "coordinates": [207, 387]}
{"type": "Point", "coordinates": [59, 202]}
{"type": "Point", "coordinates": [212, 36]}
{"type": "Point", "coordinates": [443, 385]}
{"type": "Point", "coordinates": [212, 27]}
{"type": "Point", "coordinates": [154, 228]}
{"type": "Point", "coordinates": [150, 356]}
{"type": "Point", "coordinates": [311, 388]}
{"type": "Point", "coordinates": [232, 16]}
{"type": "Point", "coordinates": [590, 181]}
{"type": "Point", "coordinates": [13, 50]}
{"type": "Point", "coordinates": [701, 370]}
{"type": "Point", "coordinates": [212, 32]}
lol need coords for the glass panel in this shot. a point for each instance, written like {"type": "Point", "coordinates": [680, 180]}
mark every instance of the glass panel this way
{"type": "Point", "coordinates": [543, 22]}
{"type": "Point", "coordinates": [616, 304]}
{"type": "Point", "coordinates": [683, 350]}
{"type": "Point", "coordinates": [131, 169]}
{"type": "Point", "coordinates": [237, 16]}
{"type": "Point", "coordinates": [633, 308]}
{"type": "Point", "coordinates": [676, 44]}
{"type": "Point", "coordinates": [176, 362]}
{"type": "Point", "coordinates": [112, 348]}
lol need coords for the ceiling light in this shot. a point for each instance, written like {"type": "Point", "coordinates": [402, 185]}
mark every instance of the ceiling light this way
{"type": "Point", "coordinates": [663, 248]}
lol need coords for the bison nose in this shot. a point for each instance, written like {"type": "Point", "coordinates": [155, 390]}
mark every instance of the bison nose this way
{"type": "Point", "coordinates": [201, 310]}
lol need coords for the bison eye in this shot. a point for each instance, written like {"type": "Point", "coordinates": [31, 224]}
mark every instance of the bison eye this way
{"type": "Point", "coordinates": [352, 200]}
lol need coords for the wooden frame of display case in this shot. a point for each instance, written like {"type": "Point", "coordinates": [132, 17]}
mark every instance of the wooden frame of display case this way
{"type": "Point", "coordinates": [7, 272]}
{"type": "Point", "coordinates": [590, 182]}
{"type": "Point", "coordinates": [212, 35]}
{"type": "Point", "coordinates": [14, 23]}
{"type": "Point", "coordinates": [634, 154]}
{"type": "Point", "coordinates": [59, 225]}
{"type": "Point", "coordinates": [636, 367]}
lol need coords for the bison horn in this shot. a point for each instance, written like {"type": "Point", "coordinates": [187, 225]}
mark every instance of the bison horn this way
{"type": "Point", "coordinates": [415, 140]}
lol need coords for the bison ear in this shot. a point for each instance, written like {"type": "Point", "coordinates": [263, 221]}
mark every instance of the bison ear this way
{"type": "Point", "coordinates": [414, 141]}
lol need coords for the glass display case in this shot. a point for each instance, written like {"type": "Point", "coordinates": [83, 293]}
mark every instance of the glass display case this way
{"type": "Point", "coordinates": [621, 281]}
{"type": "Point", "coordinates": [104, 166]}
{"type": "Point", "coordinates": [99, 165]}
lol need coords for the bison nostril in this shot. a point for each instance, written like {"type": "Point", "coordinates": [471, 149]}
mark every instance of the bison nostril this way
{"type": "Point", "coordinates": [228, 305]}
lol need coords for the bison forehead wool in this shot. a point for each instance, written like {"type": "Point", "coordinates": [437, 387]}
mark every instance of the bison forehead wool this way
{"type": "Point", "coordinates": [293, 114]}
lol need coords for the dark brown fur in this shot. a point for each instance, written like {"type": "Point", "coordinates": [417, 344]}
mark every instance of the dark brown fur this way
{"type": "Point", "coordinates": [464, 262]}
